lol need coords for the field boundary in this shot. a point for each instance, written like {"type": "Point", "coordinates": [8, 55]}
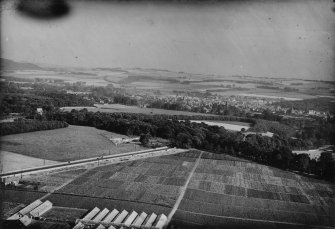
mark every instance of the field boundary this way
{"type": "Point", "coordinates": [64, 184]}
{"type": "Point", "coordinates": [83, 162]}
{"type": "Point", "coordinates": [254, 197]}
{"type": "Point", "coordinates": [183, 190]}
{"type": "Point", "coordinates": [257, 220]}
{"type": "Point", "coordinates": [106, 198]}
{"type": "Point", "coordinates": [302, 212]}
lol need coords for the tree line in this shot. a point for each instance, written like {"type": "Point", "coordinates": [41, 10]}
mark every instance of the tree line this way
{"type": "Point", "coordinates": [16, 100]}
{"type": "Point", "coordinates": [274, 151]}
{"type": "Point", "coordinates": [23, 126]}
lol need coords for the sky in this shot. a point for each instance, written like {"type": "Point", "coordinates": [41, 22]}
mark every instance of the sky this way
{"type": "Point", "coordinates": [287, 38]}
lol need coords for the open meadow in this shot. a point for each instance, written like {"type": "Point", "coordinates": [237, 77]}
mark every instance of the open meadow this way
{"type": "Point", "coordinates": [233, 126]}
{"type": "Point", "coordinates": [73, 142]}
{"type": "Point", "coordinates": [14, 161]}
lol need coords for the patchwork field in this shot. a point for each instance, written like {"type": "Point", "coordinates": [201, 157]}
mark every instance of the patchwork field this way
{"type": "Point", "coordinates": [154, 181]}
{"type": "Point", "coordinates": [73, 142]}
{"type": "Point", "coordinates": [52, 181]}
{"type": "Point", "coordinates": [223, 192]}
{"type": "Point", "coordinates": [241, 194]}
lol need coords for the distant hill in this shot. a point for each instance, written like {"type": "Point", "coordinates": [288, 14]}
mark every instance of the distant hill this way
{"type": "Point", "coordinates": [13, 65]}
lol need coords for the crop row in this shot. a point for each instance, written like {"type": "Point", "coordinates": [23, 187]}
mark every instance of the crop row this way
{"type": "Point", "coordinates": [197, 178]}
{"type": "Point", "coordinates": [189, 220]}
{"type": "Point", "coordinates": [214, 156]}
{"type": "Point", "coordinates": [21, 196]}
{"type": "Point", "coordinates": [253, 171]}
{"type": "Point", "coordinates": [170, 159]}
{"type": "Point", "coordinates": [241, 191]}
{"type": "Point", "coordinates": [9, 208]}
{"type": "Point", "coordinates": [47, 179]}
{"type": "Point", "coordinates": [128, 190]}
{"type": "Point", "coordinates": [210, 170]}
{"type": "Point", "coordinates": [239, 165]}
{"type": "Point", "coordinates": [264, 183]}
{"type": "Point", "coordinates": [223, 199]}
{"type": "Point", "coordinates": [85, 202]}
{"type": "Point", "coordinates": [257, 214]}
{"type": "Point", "coordinates": [65, 215]}
{"type": "Point", "coordinates": [139, 194]}
{"type": "Point", "coordinates": [322, 193]}
{"type": "Point", "coordinates": [262, 186]}
{"type": "Point", "coordinates": [323, 201]}
{"type": "Point", "coordinates": [191, 153]}
{"type": "Point", "coordinates": [68, 173]}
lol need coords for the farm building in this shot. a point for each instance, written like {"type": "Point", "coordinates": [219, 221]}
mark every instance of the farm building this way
{"type": "Point", "coordinates": [124, 219]}
{"type": "Point", "coordinates": [28, 217]}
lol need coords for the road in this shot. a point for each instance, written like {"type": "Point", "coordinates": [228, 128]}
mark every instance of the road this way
{"type": "Point", "coordinates": [96, 161]}
{"type": "Point", "coordinates": [182, 192]}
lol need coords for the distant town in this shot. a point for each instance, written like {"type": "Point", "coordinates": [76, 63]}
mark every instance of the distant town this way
{"type": "Point", "coordinates": [147, 145]}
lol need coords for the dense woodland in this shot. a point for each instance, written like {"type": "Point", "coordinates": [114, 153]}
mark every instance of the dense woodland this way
{"type": "Point", "coordinates": [275, 151]}
{"type": "Point", "coordinates": [23, 126]}
{"type": "Point", "coordinates": [25, 102]}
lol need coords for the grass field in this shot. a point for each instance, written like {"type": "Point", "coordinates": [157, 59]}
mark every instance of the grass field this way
{"type": "Point", "coordinates": [114, 108]}
{"type": "Point", "coordinates": [233, 126]}
{"type": "Point", "coordinates": [65, 144]}
{"type": "Point", "coordinates": [13, 161]}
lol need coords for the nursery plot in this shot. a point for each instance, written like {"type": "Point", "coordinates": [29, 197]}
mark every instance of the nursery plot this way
{"type": "Point", "coordinates": [223, 190]}
{"type": "Point", "coordinates": [221, 193]}
{"type": "Point", "coordinates": [155, 180]}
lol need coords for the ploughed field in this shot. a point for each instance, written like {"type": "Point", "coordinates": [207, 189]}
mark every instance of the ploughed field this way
{"type": "Point", "coordinates": [223, 192]}
{"type": "Point", "coordinates": [71, 143]}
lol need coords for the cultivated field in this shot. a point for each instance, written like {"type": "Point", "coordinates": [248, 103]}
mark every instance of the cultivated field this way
{"type": "Point", "coordinates": [9, 208]}
{"type": "Point", "coordinates": [65, 144]}
{"type": "Point", "coordinates": [241, 194]}
{"type": "Point", "coordinates": [51, 181]}
{"type": "Point", "coordinates": [153, 182]}
{"type": "Point", "coordinates": [65, 214]}
{"type": "Point", "coordinates": [119, 108]}
{"type": "Point", "coordinates": [223, 192]}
